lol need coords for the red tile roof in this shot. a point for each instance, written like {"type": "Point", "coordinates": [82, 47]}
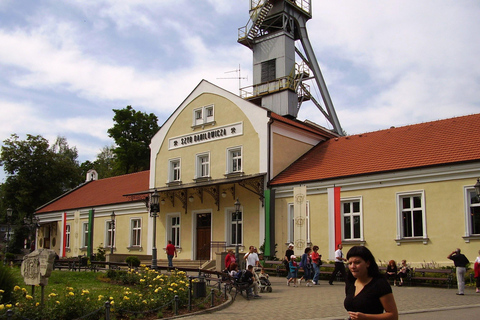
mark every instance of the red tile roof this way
{"type": "Point", "coordinates": [434, 143]}
{"type": "Point", "coordinates": [99, 192]}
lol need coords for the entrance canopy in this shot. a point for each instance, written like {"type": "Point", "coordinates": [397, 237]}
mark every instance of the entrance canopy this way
{"type": "Point", "coordinates": [214, 188]}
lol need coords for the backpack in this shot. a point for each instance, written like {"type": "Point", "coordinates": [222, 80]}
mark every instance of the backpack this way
{"type": "Point", "coordinates": [242, 278]}
{"type": "Point", "coordinates": [239, 277]}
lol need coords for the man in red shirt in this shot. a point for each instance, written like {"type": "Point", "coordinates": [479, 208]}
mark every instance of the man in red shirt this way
{"type": "Point", "coordinates": [171, 251]}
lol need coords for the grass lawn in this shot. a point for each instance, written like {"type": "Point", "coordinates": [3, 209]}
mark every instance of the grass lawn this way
{"type": "Point", "coordinates": [96, 282]}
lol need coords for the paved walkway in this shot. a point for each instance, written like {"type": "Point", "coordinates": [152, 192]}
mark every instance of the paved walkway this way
{"type": "Point", "coordinates": [326, 302]}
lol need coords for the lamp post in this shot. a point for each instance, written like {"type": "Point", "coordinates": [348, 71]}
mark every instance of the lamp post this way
{"type": "Point", "coordinates": [9, 215]}
{"type": "Point", "coordinates": [237, 212]}
{"type": "Point", "coordinates": [112, 228]}
{"type": "Point", "coordinates": [154, 210]}
{"type": "Point", "coordinates": [32, 224]}
{"type": "Point", "coordinates": [477, 188]}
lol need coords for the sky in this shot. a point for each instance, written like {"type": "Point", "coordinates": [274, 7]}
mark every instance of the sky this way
{"type": "Point", "coordinates": [64, 65]}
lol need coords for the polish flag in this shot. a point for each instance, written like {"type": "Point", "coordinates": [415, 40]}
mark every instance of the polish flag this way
{"type": "Point", "coordinates": [338, 218]}
{"type": "Point", "coordinates": [334, 219]}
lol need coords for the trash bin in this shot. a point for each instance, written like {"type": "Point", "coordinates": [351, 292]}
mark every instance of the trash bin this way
{"type": "Point", "coordinates": [199, 288]}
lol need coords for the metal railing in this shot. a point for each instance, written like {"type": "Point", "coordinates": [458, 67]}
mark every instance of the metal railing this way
{"type": "Point", "coordinates": [305, 5]}
{"type": "Point", "coordinates": [257, 90]}
{"type": "Point", "coordinates": [106, 313]}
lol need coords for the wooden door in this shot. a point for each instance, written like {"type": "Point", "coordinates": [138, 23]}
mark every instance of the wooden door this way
{"type": "Point", "coordinates": [203, 236]}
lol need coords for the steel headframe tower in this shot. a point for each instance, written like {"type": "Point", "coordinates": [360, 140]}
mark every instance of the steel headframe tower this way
{"type": "Point", "coordinates": [278, 81]}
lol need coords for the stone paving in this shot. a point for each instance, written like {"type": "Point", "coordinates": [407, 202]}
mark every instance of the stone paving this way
{"type": "Point", "coordinates": [326, 302]}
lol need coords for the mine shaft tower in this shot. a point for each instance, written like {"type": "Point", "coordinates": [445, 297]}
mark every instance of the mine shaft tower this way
{"type": "Point", "coordinates": [279, 83]}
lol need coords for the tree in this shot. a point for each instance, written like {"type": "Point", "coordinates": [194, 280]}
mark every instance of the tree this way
{"type": "Point", "coordinates": [132, 132]}
{"type": "Point", "coordinates": [36, 173]}
{"type": "Point", "coordinates": [105, 164]}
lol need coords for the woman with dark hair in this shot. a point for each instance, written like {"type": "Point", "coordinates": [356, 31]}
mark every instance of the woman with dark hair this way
{"type": "Point", "coordinates": [316, 262]}
{"type": "Point", "coordinates": [391, 272]}
{"type": "Point", "coordinates": [368, 293]}
{"type": "Point", "coordinates": [286, 261]}
{"type": "Point", "coordinates": [306, 264]}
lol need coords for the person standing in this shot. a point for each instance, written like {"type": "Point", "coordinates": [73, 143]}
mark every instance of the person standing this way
{"type": "Point", "coordinates": [251, 258]}
{"type": "Point", "coordinates": [286, 261]}
{"type": "Point", "coordinates": [316, 262]}
{"type": "Point", "coordinates": [460, 262]}
{"type": "Point", "coordinates": [477, 272]}
{"type": "Point", "coordinates": [368, 295]}
{"type": "Point", "coordinates": [171, 251]}
{"type": "Point", "coordinates": [306, 263]}
{"type": "Point", "coordinates": [229, 259]}
{"type": "Point", "coordinates": [339, 266]}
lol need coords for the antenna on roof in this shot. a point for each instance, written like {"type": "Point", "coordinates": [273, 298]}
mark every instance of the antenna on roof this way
{"type": "Point", "coordinates": [239, 77]}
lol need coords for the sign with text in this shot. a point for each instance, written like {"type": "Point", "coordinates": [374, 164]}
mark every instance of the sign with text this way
{"type": "Point", "coordinates": [218, 133]}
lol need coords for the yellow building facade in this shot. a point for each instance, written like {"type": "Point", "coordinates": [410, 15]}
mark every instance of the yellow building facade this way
{"type": "Point", "coordinates": [416, 203]}
{"type": "Point", "coordinates": [214, 149]}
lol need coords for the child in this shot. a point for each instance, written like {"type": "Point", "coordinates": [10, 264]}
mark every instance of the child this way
{"type": "Point", "coordinates": [293, 270]}
{"type": "Point", "coordinates": [263, 274]}
{"type": "Point", "coordinates": [263, 277]}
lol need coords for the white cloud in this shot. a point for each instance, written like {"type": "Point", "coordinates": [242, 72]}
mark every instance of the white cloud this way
{"type": "Point", "coordinates": [385, 62]}
{"type": "Point", "coordinates": [407, 61]}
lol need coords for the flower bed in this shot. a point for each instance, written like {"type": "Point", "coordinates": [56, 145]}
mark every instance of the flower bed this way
{"type": "Point", "coordinates": [146, 292]}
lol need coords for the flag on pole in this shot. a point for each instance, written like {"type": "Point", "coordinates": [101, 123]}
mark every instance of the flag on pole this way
{"type": "Point", "coordinates": [338, 218]}
{"type": "Point", "coordinates": [91, 214]}
{"type": "Point", "coordinates": [64, 235]}
{"type": "Point", "coordinates": [334, 219]}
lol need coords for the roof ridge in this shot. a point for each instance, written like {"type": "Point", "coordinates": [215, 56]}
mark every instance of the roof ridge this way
{"type": "Point", "coordinates": [413, 124]}
{"type": "Point", "coordinates": [64, 194]}
{"type": "Point", "coordinates": [123, 175]}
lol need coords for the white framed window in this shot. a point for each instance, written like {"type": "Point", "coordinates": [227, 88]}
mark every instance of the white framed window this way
{"type": "Point", "coordinates": [300, 221]}
{"type": "Point", "coordinates": [199, 115]}
{"type": "Point", "coordinates": [203, 165]}
{"type": "Point", "coordinates": [84, 234]}
{"type": "Point", "coordinates": [234, 160]}
{"type": "Point", "coordinates": [411, 220]}
{"type": "Point", "coordinates": [472, 213]}
{"type": "Point", "coordinates": [135, 232]}
{"type": "Point", "coordinates": [173, 229]}
{"type": "Point", "coordinates": [209, 114]}
{"type": "Point", "coordinates": [203, 115]}
{"type": "Point", "coordinates": [109, 234]}
{"type": "Point", "coordinates": [234, 227]}
{"type": "Point", "coordinates": [68, 229]}
{"type": "Point", "coordinates": [174, 170]}
{"type": "Point", "coordinates": [352, 222]}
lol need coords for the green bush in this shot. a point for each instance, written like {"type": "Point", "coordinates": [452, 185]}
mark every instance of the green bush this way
{"type": "Point", "coordinates": [100, 256]}
{"type": "Point", "coordinates": [133, 262]}
{"type": "Point", "coordinates": [10, 256]}
{"type": "Point", "coordinates": [7, 282]}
